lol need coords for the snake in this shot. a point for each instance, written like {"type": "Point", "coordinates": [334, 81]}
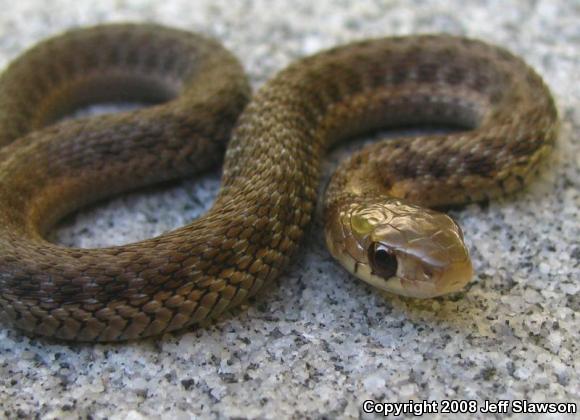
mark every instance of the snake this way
{"type": "Point", "coordinates": [383, 209]}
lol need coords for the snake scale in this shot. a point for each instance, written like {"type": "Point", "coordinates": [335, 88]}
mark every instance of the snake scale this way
{"type": "Point", "coordinates": [49, 167]}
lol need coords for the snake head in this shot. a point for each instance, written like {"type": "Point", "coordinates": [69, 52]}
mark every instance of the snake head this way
{"type": "Point", "coordinates": [400, 248]}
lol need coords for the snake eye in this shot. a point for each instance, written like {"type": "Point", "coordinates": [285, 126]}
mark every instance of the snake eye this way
{"type": "Point", "coordinates": [383, 261]}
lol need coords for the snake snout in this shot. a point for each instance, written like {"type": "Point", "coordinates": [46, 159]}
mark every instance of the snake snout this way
{"type": "Point", "coordinates": [455, 277]}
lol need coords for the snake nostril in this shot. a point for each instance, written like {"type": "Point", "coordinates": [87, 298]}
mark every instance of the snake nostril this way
{"type": "Point", "coordinates": [383, 260]}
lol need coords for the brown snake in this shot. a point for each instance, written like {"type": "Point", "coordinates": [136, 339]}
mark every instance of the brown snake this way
{"type": "Point", "coordinates": [270, 174]}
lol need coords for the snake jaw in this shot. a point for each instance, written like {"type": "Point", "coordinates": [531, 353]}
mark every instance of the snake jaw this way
{"type": "Point", "coordinates": [419, 279]}
{"type": "Point", "coordinates": [416, 278]}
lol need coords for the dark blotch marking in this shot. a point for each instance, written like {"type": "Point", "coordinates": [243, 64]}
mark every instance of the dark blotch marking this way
{"type": "Point", "coordinates": [481, 82]}
{"type": "Point", "coordinates": [479, 165]}
{"type": "Point", "coordinates": [438, 168]}
{"type": "Point", "coordinates": [400, 75]}
{"type": "Point", "coordinates": [455, 76]}
{"type": "Point", "coordinates": [427, 72]}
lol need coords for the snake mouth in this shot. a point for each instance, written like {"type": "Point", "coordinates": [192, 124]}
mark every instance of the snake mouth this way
{"type": "Point", "coordinates": [394, 284]}
{"type": "Point", "coordinates": [432, 282]}
{"type": "Point", "coordinates": [419, 289]}
{"type": "Point", "coordinates": [400, 274]}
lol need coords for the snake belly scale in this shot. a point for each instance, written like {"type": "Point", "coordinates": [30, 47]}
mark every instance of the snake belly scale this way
{"type": "Point", "coordinates": [49, 168]}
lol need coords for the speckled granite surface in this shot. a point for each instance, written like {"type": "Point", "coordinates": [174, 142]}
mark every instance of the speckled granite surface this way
{"type": "Point", "coordinates": [318, 343]}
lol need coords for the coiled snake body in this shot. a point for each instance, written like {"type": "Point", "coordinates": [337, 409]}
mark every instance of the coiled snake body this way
{"type": "Point", "coordinates": [270, 174]}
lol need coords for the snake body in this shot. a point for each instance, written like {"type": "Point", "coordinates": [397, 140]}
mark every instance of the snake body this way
{"type": "Point", "coordinates": [49, 168]}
